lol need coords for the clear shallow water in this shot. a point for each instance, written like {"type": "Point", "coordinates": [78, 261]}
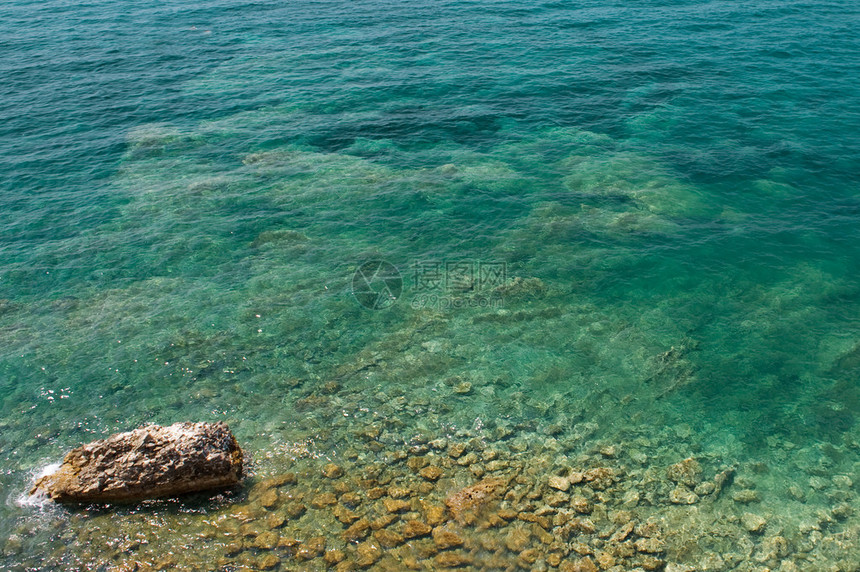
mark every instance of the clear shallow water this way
{"type": "Point", "coordinates": [187, 190]}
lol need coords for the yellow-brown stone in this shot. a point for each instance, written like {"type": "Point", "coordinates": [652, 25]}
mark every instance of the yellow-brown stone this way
{"type": "Point", "coordinates": [473, 497]}
{"type": "Point", "coordinates": [311, 549]}
{"type": "Point", "coordinates": [556, 499]}
{"type": "Point", "coordinates": [251, 529]}
{"type": "Point", "coordinates": [650, 545]}
{"type": "Point", "coordinates": [529, 556]}
{"type": "Point", "coordinates": [388, 538]}
{"type": "Point", "coordinates": [582, 565]}
{"type": "Point", "coordinates": [417, 463]}
{"type": "Point", "coordinates": [446, 538]}
{"type": "Point", "coordinates": [396, 492]}
{"type": "Point", "coordinates": [295, 509]}
{"type": "Point", "coordinates": [580, 504]}
{"type": "Point", "coordinates": [451, 560]}
{"type": "Point", "coordinates": [275, 520]}
{"type": "Point", "coordinates": [584, 525]}
{"type": "Point", "coordinates": [558, 483]}
{"type": "Point", "coordinates": [541, 521]}
{"type": "Point", "coordinates": [267, 540]}
{"type": "Point", "coordinates": [334, 556]}
{"type": "Point", "coordinates": [367, 553]}
{"type": "Point", "coordinates": [431, 473]}
{"type": "Point", "coordinates": [395, 505]}
{"type": "Point", "coordinates": [416, 528]}
{"type": "Point", "coordinates": [507, 514]}
{"type": "Point", "coordinates": [283, 479]}
{"type": "Point", "coordinates": [605, 560]}
{"type": "Point", "coordinates": [288, 542]}
{"type": "Point", "coordinates": [269, 498]}
{"type": "Point", "coordinates": [435, 514]}
{"type": "Point", "coordinates": [622, 533]}
{"type": "Point", "coordinates": [649, 562]}
{"type": "Point", "coordinates": [517, 539]}
{"type": "Point", "coordinates": [350, 500]}
{"type": "Point", "coordinates": [455, 450]}
{"type": "Point", "coordinates": [268, 561]}
{"type": "Point", "coordinates": [425, 488]}
{"type": "Point", "coordinates": [332, 471]}
{"type": "Point", "coordinates": [246, 513]}
{"type": "Point", "coordinates": [341, 487]}
{"type": "Point", "coordinates": [599, 477]}
{"type": "Point", "coordinates": [358, 530]}
{"type": "Point", "coordinates": [688, 472]}
{"type": "Point", "coordinates": [323, 500]}
{"type": "Point", "coordinates": [382, 521]}
{"type": "Point", "coordinates": [344, 515]}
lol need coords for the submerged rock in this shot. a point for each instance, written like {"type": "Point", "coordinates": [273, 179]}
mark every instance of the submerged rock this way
{"type": "Point", "coordinates": [473, 497]}
{"type": "Point", "coordinates": [688, 472]}
{"type": "Point", "coordinates": [683, 495]}
{"type": "Point", "coordinates": [149, 462]}
{"type": "Point", "coordinates": [753, 522]}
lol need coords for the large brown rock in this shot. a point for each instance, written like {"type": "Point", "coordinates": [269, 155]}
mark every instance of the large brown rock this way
{"type": "Point", "coordinates": [149, 462]}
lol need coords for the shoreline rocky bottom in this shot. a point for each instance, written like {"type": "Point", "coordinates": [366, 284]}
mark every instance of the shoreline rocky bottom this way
{"type": "Point", "coordinates": [517, 502]}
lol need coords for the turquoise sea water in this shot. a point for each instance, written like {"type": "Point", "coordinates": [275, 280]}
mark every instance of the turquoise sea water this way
{"type": "Point", "coordinates": [186, 191]}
